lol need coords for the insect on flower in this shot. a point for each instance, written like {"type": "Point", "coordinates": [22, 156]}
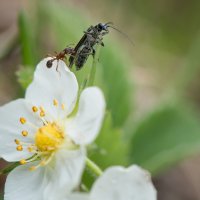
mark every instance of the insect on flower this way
{"type": "Point", "coordinates": [86, 46]}
{"type": "Point", "coordinates": [60, 56]}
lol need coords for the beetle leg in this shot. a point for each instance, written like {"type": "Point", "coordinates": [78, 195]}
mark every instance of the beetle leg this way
{"type": "Point", "coordinates": [93, 52]}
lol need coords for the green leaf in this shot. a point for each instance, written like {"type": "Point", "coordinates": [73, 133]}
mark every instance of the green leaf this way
{"type": "Point", "coordinates": [26, 40]}
{"type": "Point", "coordinates": [111, 146]}
{"type": "Point", "coordinates": [116, 84]}
{"type": "Point", "coordinates": [25, 76]}
{"type": "Point", "coordinates": [165, 137]}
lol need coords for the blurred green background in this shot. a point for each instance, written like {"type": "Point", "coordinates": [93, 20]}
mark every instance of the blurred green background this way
{"type": "Point", "coordinates": [151, 88]}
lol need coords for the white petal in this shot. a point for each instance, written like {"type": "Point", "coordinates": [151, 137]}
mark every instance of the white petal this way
{"type": "Point", "coordinates": [118, 183]}
{"type": "Point", "coordinates": [50, 182]}
{"type": "Point", "coordinates": [24, 184]}
{"type": "Point", "coordinates": [64, 173]}
{"type": "Point", "coordinates": [49, 85]}
{"type": "Point", "coordinates": [11, 128]}
{"type": "Point", "coordinates": [77, 196]}
{"type": "Point", "coordinates": [85, 126]}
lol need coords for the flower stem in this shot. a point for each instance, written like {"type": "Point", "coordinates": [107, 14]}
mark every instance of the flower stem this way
{"type": "Point", "coordinates": [93, 167]}
{"type": "Point", "coordinates": [91, 77]}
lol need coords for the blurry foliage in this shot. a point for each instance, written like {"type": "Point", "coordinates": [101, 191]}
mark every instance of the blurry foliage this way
{"type": "Point", "coordinates": [25, 76]}
{"type": "Point", "coordinates": [190, 70]}
{"type": "Point", "coordinates": [26, 40]}
{"type": "Point", "coordinates": [110, 148]}
{"type": "Point", "coordinates": [116, 83]}
{"type": "Point", "coordinates": [165, 137]}
{"type": "Point", "coordinates": [171, 24]}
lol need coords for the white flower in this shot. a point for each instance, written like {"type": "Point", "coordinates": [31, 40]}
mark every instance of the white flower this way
{"type": "Point", "coordinates": [118, 183]}
{"type": "Point", "coordinates": [39, 132]}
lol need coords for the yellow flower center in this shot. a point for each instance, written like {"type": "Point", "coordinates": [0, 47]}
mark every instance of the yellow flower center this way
{"type": "Point", "coordinates": [49, 137]}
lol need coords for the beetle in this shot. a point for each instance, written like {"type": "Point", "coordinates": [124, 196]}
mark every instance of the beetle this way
{"type": "Point", "coordinates": [85, 47]}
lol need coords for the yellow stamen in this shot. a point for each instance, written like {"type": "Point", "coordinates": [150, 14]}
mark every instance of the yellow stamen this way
{"type": "Point", "coordinates": [48, 138]}
{"type": "Point", "coordinates": [55, 102]}
{"type": "Point", "coordinates": [19, 148]}
{"type": "Point", "coordinates": [35, 109]}
{"type": "Point", "coordinates": [22, 162]}
{"type": "Point", "coordinates": [22, 120]}
{"type": "Point", "coordinates": [24, 133]}
{"type": "Point", "coordinates": [17, 141]}
{"type": "Point", "coordinates": [32, 168]}
{"type": "Point", "coordinates": [30, 149]}
{"type": "Point", "coordinates": [63, 106]}
{"type": "Point", "coordinates": [42, 109]}
{"type": "Point", "coordinates": [42, 114]}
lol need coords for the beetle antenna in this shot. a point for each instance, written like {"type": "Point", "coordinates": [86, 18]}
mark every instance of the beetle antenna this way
{"type": "Point", "coordinates": [109, 23]}
{"type": "Point", "coordinates": [124, 34]}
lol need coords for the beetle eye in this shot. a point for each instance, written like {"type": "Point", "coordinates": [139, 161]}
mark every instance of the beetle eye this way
{"type": "Point", "coordinates": [105, 28]}
{"type": "Point", "coordinates": [100, 26]}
